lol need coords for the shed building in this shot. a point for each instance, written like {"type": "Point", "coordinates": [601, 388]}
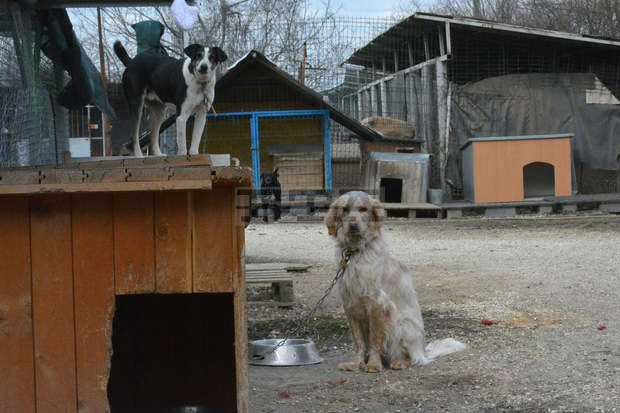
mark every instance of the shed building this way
{"type": "Point", "coordinates": [454, 78]}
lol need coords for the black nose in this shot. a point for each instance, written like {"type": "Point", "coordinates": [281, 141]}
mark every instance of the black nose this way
{"type": "Point", "coordinates": [203, 69]}
{"type": "Point", "coordinates": [354, 227]}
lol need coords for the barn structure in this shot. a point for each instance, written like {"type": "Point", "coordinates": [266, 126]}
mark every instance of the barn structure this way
{"type": "Point", "coordinates": [268, 119]}
{"type": "Point", "coordinates": [456, 78]}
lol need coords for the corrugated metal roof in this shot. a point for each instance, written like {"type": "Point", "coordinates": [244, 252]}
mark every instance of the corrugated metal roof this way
{"type": "Point", "coordinates": [421, 22]}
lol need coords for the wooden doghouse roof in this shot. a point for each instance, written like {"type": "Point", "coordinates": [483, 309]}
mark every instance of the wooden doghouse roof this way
{"type": "Point", "coordinates": [254, 58]}
{"type": "Point", "coordinates": [121, 174]}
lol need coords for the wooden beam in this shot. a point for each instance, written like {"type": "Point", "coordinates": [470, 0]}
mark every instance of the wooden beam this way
{"type": "Point", "coordinates": [105, 187]}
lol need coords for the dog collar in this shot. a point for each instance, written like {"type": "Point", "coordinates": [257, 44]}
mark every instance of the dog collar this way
{"type": "Point", "coordinates": [348, 252]}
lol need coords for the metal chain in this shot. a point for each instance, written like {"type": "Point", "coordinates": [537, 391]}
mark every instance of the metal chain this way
{"type": "Point", "coordinates": [346, 257]}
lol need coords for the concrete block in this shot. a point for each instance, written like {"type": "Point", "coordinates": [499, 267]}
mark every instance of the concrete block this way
{"type": "Point", "coordinates": [454, 213]}
{"type": "Point", "coordinates": [613, 208]}
{"type": "Point", "coordinates": [283, 292]}
{"type": "Point", "coordinates": [569, 208]}
{"type": "Point", "coordinates": [545, 210]}
{"type": "Point", "coordinates": [500, 212]}
{"type": "Point", "coordinates": [300, 210]}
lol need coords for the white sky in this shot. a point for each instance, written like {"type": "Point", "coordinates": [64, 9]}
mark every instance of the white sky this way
{"type": "Point", "coordinates": [360, 8]}
{"type": "Point", "coordinates": [368, 8]}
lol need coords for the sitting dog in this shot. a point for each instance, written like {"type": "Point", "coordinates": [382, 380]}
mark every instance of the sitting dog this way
{"type": "Point", "coordinates": [187, 84]}
{"type": "Point", "coordinates": [270, 194]}
{"type": "Point", "coordinates": [377, 292]}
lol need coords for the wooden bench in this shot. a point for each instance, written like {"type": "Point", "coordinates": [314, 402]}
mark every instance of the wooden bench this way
{"type": "Point", "coordinates": [279, 275]}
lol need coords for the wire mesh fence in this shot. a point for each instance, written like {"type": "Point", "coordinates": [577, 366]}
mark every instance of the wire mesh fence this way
{"type": "Point", "coordinates": [416, 80]}
{"type": "Point", "coordinates": [27, 133]}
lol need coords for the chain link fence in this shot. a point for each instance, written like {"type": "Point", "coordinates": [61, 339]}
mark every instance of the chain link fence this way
{"type": "Point", "coordinates": [27, 132]}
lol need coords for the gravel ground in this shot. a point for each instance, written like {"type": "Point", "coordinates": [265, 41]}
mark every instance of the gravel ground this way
{"type": "Point", "coordinates": [550, 284]}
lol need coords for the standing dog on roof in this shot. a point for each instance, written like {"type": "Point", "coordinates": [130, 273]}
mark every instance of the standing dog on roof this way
{"type": "Point", "coordinates": [187, 84]}
{"type": "Point", "coordinates": [377, 292]}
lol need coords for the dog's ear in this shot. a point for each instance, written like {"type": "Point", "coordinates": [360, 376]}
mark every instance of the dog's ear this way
{"type": "Point", "coordinates": [276, 172]}
{"type": "Point", "coordinates": [378, 213]}
{"type": "Point", "coordinates": [333, 220]}
{"type": "Point", "coordinates": [218, 54]}
{"type": "Point", "coordinates": [193, 49]}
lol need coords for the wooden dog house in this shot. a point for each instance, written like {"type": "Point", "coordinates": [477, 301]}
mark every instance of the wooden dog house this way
{"type": "Point", "coordinates": [510, 169]}
{"type": "Point", "coordinates": [122, 287]}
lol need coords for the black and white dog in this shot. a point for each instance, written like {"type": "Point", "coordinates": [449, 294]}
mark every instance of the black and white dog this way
{"type": "Point", "coordinates": [188, 84]}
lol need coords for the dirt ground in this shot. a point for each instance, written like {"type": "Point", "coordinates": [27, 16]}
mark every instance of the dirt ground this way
{"type": "Point", "coordinates": [552, 285]}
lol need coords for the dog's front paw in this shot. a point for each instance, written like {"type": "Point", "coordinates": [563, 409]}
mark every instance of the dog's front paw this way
{"type": "Point", "coordinates": [373, 368]}
{"type": "Point", "coordinates": [138, 153]}
{"type": "Point", "coordinates": [400, 364]}
{"type": "Point", "coordinates": [193, 152]}
{"type": "Point", "coordinates": [351, 366]}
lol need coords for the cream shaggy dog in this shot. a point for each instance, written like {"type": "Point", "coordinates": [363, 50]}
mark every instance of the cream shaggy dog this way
{"type": "Point", "coordinates": [377, 292]}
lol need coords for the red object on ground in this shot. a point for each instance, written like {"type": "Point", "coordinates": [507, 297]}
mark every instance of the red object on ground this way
{"type": "Point", "coordinates": [285, 395]}
{"type": "Point", "coordinates": [488, 322]}
{"type": "Point", "coordinates": [601, 328]}
{"type": "Point", "coordinates": [341, 381]}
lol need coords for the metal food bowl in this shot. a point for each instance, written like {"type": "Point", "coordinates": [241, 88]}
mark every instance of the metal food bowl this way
{"type": "Point", "coordinates": [294, 352]}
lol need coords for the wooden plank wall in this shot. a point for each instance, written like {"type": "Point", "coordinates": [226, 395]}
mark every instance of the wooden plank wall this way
{"type": "Point", "coordinates": [63, 257]}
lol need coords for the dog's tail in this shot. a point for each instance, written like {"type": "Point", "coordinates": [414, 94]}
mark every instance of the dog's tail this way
{"type": "Point", "coordinates": [121, 53]}
{"type": "Point", "coordinates": [439, 348]}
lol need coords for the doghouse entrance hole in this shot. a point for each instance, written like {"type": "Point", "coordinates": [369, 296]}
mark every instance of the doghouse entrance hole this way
{"type": "Point", "coordinates": [173, 351]}
{"type": "Point", "coordinates": [392, 192]}
{"type": "Point", "coordinates": [538, 180]}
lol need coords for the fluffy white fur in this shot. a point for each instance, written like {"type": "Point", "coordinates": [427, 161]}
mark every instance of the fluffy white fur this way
{"type": "Point", "coordinates": [377, 292]}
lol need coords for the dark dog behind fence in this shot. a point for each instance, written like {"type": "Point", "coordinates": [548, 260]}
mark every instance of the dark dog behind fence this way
{"type": "Point", "coordinates": [270, 195]}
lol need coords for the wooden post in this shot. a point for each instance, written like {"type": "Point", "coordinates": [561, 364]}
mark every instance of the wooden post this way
{"type": "Point", "coordinates": [442, 127]}
{"type": "Point", "coordinates": [105, 120]}
{"type": "Point", "coordinates": [61, 118]}
{"type": "Point", "coordinates": [24, 44]}
{"type": "Point", "coordinates": [410, 50]}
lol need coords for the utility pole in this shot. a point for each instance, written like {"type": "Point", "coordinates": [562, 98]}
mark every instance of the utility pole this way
{"type": "Point", "coordinates": [302, 66]}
